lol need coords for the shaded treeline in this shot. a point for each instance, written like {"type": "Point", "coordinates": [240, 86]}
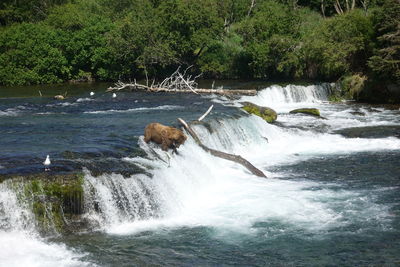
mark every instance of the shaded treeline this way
{"type": "Point", "coordinates": [51, 41]}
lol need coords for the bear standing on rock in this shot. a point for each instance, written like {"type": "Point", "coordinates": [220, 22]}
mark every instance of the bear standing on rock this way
{"type": "Point", "coordinates": [166, 136]}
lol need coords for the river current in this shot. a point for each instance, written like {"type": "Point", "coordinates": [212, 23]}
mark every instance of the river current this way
{"type": "Point", "coordinates": [332, 196]}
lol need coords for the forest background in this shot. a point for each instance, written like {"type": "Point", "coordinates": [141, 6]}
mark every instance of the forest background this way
{"type": "Point", "coordinates": [354, 42]}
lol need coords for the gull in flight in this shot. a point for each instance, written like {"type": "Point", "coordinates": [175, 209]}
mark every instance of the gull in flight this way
{"type": "Point", "coordinates": [47, 163]}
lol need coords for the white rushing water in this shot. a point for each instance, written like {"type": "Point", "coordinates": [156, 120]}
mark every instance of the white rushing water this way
{"type": "Point", "coordinates": [285, 98]}
{"type": "Point", "coordinates": [196, 189]}
{"type": "Point", "coordinates": [21, 245]}
{"type": "Point", "coordinates": [164, 107]}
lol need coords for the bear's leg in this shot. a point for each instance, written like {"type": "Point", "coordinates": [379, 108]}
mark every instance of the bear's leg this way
{"type": "Point", "coordinates": [165, 145]}
{"type": "Point", "coordinates": [147, 134]}
{"type": "Point", "coordinates": [165, 142]}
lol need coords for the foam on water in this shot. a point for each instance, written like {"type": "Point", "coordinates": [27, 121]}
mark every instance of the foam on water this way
{"type": "Point", "coordinates": [195, 189]}
{"type": "Point", "coordinates": [111, 199]}
{"type": "Point", "coordinates": [62, 104]}
{"type": "Point", "coordinates": [164, 107]}
{"type": "Point", "coordinates": [268, 144]}
{"type": "Point", "coordinates": [12, 112]}
{"type": "Point", "coordinates": [85, 99]}
{"type": "Point", "coordinates": [20, 243]}
{"type": "Point", "coordinates": [22, 249]}
{"type": "Point", "coordinates": [8, 112]}
{"type": "Point", "coordinates": [285, 98]}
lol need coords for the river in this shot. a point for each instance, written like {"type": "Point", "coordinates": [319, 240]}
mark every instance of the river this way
{"type": "Point", "coordinates": [331, 196]}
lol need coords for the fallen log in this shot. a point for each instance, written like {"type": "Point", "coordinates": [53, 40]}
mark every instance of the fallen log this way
{"type": "Point", "coordinates": [178, 83]}
{"type": "Point", "coordinates": [135, 86]}
{"type": "Point", "coordinates": [205, 114]}
{"type": "Point", "coordinates": [220, 154]}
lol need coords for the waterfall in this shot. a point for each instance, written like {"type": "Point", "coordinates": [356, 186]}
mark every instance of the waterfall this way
{"type": "Point", "coordinates": [15, 214]}
{"type": "Point", "coordinates": [290, 96]}
{"type": "Point", "coordinates": [185, 189]}
{"type": "Point", "coordinates": [194, 188]}
{"type": "Point", "coordinates": [21, 244]}
{"type": "Point", "coordinates": [112, 198]}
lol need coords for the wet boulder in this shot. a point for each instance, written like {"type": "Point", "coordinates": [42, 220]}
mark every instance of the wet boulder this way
{"type": "Point", "coordinates": [381, 131]}
{"type": "Point", "coordinates": [59, 97]}
{"type": "Point", "coordinates": [308, 111]}
{"type": "Point", "coordinates": [268, 114]}
{"type": "Point", "coordinates": [55, 200]}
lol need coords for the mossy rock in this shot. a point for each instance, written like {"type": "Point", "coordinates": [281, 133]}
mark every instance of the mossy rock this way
{"type": "Point", "coordinates": [308, 111]}
{"type": "Point", "coordinates": [55, 200]}
{"type": "Point", "coordinates": [268, 114]}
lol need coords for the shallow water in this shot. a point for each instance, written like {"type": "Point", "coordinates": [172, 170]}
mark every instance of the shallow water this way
{"type": "Point", "coordinates": [331, 198]}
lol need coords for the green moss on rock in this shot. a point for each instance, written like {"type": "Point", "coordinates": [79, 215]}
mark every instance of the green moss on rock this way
{"type": "Point", "coordinates": [307, 111]}
{"type": "Point", "coordinates": [54, 199]}
{"type": "Point", "coordinates": [266, 113]}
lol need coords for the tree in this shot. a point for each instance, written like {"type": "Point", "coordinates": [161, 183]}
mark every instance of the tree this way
{"type": "Point", "coordinates": [263, 35]}
{"type": "Point", "coordinates": [12, 11]}
{"type": "Point", "coordinates": [342, 44]}
{"type": "Point", "coordinates": [385, 62]}
{"type": "Point", "coordinates": [31, 54]}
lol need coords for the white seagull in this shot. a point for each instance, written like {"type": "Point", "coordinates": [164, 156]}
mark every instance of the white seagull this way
{"type": "Point", "coordinates": [47, 163]}
{"type": "Point", "coordinates": [114, 95]}
{"type": "Point", "coordinates": [91, 93]}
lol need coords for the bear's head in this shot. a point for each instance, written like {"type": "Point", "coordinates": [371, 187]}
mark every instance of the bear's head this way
{"type": "Point", "coordinates": [177, 137]}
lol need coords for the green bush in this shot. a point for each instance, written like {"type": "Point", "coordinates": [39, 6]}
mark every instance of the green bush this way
{"type": "Point", "coordinates": [31, 54]}
{"type": "Point", "coordinates": [274, 39]}
{"type": "Point", "coordinates": [342, 44]}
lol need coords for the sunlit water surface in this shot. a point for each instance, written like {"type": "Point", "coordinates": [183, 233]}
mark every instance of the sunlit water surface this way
{"type": "Point", "coordinates": [331, 197]}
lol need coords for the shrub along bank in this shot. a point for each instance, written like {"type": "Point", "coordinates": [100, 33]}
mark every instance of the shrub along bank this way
{"type": "Point", "coordinates": [52, 41]}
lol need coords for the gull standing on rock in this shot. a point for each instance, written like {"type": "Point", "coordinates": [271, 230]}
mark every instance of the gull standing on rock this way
{"type": "Point", "coordinates": [47, 163]}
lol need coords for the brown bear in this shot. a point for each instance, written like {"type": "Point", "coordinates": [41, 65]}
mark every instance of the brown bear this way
{"type": "Point", "coordinates": [168, 137]}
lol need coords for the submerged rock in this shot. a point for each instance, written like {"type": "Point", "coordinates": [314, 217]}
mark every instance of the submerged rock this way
{"type": "Point", "coordinates": [266, 113]}
{"type": "Point", "coordinates": [357, 113]}
{"type": "Point", "coordinates": [59, 97]}
{"type": "Point", "coordinates": [381, 131]}
{"type": "Point", "coordinates": [307, 111]}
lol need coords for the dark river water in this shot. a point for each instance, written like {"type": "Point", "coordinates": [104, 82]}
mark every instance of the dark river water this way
{"type": "Point", "coordinates": [332, 196]}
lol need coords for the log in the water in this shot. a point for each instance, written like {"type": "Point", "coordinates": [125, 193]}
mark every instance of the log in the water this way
{"type": "Point", "coordinates": [178, 83]}
{"type": "Point", "coordinates": [135, 86]}
{"type": "Point", "coordinates": [220, 154]}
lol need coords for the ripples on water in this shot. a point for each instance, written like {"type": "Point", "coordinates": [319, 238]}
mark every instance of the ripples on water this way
{"type": "Point", "coordinates": [332, 197]}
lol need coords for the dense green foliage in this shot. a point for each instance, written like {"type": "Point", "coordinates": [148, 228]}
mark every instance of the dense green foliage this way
{"type": "Point", "coordinates": [50, 41]}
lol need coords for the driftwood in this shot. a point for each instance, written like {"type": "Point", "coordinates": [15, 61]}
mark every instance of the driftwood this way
{"type": "Point", "coordinates": [177, 83]}
{"type": "Point", "coordinates": [205, 114]}
{"type": "Point", "coordinates": [220, 154]}
{"type": "Point", "coordinates": [137, 86]}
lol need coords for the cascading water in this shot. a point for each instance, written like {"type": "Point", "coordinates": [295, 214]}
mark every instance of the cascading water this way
{"type": "Point", "coordinates": [195, 188]}
{"type": "Point", "coordinates": [15, 214]}
{"type": "Point", "coordinates": [112, 199]}
{"type": "Point", "coordinates": [21, 244]}
{"type": "Point", "coordinates": [289, 96]}
{"type": "Point", "coordinates": [195, 209]}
